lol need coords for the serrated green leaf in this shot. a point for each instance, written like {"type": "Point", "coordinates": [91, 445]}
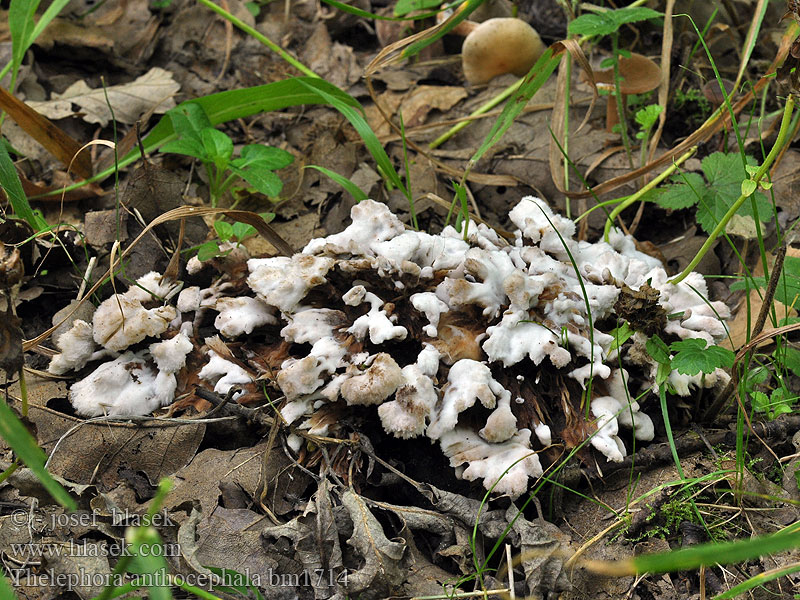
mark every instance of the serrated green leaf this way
{"type": "Point", "coordinates": [724, 175]}
{"type": "Point", "coordinates": [24, 445]}
{"type": "Point", "coordinates": [607, 22]}
{"type": "Point", "coordinates": [693, 357]}
{"type": "Point", "coordinates": [217, 145]}
{"type": "Point", "coordinates": [658, 350]}
{"type": "Point", "coordinates": [646, 117]}
{"type": "Point", "coordinates": [686, 192]}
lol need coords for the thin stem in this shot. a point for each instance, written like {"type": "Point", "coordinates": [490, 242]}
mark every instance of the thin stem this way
{"type": "Point", "coordinates": [260, 37]}
{"type": "Point", "coordinates": [623, 122]}
{"type": "Point", "coordinates": [634, 197]}
{"type": "Point", "coordinates": [7, 473]}
{"type": "Point", "coordinates": [484, 108]}
{"type": "Point", "coordinates": [783, 138]}
{"type": "Point", "coordinates": [23, 392]}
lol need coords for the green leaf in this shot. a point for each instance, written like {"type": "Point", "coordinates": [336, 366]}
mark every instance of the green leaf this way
{"type": "Point", "coordinates": [186, 146]}
{"type": "Point", "coordinates": [464, 10]}
{"type": "Point", "coordinates": [266, 156]}
{"type": "Point", "coordinates": [621, 335]}
{"type": "Point", "coordinates": [352, 189]}
{"type": "Point", "coordinates": [240, 103]}
{"type": "Point", "coordinates": [208, 251]}
{"type": "Point", "coordinates": [242, 230]}
{"type": "Point", "coordinates": [658, 350]}
{"type": "Point", "coordinates": [12, 186]}
{"type": "Point", "coordinates": [608, 22]}
{"type": "Point", "coordinates": [646, 117]}
{"type": "Point", "coordinates": [403, 7]}
{"type": "Point", "coordinates": [789, 358]}
{"type": "Point", "coordinates": [21, 24]}
{"type": "Point", "coordinates": [218, 146]}
{"type": "Point", "coordinates": [760, 401]}
{"type": "Point", "coordinates": [724, 175]}
{"type": "Point", "coordinates": [684, 193]}
{"type": "Point", "coordinates": [224, 230]}
{"type": "Point", "coordinates": [189, 120]}
{"type": "Point", "coordinates": [6, 591]}
{"type": "Point", "coordinates": [21, 441]}
{"type": "Point", "coordinates": [748, 187]}
{"type": "Point", "coordinates": [262, 180]}
{"type": "Point", "coordinates": [693, 357]}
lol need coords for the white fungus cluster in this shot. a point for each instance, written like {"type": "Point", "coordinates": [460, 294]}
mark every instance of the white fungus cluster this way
{"type": "Point", "coordinates": [448, 338]}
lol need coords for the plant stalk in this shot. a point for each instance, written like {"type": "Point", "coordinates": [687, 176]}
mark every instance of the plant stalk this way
{"type": "Point", "coordinates": [784, 137]}
{"type": "Point", "coordinates": [260, 37]}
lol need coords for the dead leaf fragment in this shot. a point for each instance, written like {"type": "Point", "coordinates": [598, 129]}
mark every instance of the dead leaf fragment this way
{"type": "Point", "coordinates": [129, 100]}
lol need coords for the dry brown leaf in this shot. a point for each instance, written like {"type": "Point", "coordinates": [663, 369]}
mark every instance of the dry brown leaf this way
{"type": "Point", "coordinates": [96, 451]}
{"type": "Point", "coordinates": [61, 145]}
{"type": "Point", "coordinates": [129, 101]}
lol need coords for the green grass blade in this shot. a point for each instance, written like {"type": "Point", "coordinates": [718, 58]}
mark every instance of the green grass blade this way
{"type": "Point", "coordinates": [21, 24]}
{"type": "Point", "coordinates": [141, 543]}
{"type": "Point", "coordinates": [51, 13]}
{"type": "Point", "coordinates": [539, 73]}
{"type": "Point", "coordinates": [462, 14]}
{"type": "Point", "coordinates": [352, 189]}
{"type": "Point", "coordinates": [715, 553]}
{"type": "Point", "coordinates": [353, 114]}
{"type": "Point", "coordinates": [14, 433]}
{"type": "Point", "coordinates": [750, 41]}
{"type": "Point", "coordinates": [9, 180]}
{"type": "Point", "coordinates": [368, 15]}
{"type": "Point", "coordinates": [758, 580]}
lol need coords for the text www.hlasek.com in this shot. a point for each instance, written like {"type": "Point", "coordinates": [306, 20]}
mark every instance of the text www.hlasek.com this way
{"type": "Point", "coordinates": [33, 550]}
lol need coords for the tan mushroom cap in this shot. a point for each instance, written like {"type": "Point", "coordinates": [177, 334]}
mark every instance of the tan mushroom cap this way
{"type": "Point", "coordinates": [638, 74]}
{"type": "Point", "coordinates": [499, 46]}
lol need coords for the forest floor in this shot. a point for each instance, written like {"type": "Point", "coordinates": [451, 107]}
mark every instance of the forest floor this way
{"type": "Point", "coordinates": [359, 513]}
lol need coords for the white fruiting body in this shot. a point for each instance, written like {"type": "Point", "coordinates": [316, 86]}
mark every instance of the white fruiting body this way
{"type": "Point", "coordinates": [444, 338]}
